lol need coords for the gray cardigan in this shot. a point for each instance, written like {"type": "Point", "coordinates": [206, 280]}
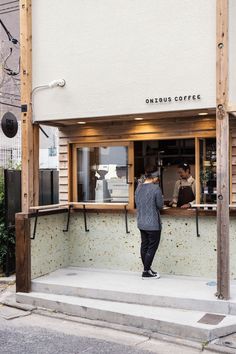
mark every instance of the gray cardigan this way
{"type": "Point", "coordinates": [149, 201]}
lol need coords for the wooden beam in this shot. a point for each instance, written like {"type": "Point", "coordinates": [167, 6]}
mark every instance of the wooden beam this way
{"type": "Point", "coordinates": [222, 138]}
{"type": "Point", "coordinates": [23, 254]}
{"type": "Point", "coordinates": [231, 108]}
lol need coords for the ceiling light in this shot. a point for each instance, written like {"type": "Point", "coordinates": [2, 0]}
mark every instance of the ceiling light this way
{"type": "Point", "coordinates": [138, 118]}
{"type": "Point", "coordinates": [203, 114]}
{"type": "Point", "coordinates": [81, 122]}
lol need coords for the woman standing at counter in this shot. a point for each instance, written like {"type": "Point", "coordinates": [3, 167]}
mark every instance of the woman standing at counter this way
{"type": "Point", "coordinates": [185, 189]}
{"type": "Point", "coordinates": [149, 201]}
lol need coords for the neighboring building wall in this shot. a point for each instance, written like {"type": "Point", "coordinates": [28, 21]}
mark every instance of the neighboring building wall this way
{"type": "Point", "coordinates": [48, 148]}
{"type": "Point", "coordinates": [10, 149]}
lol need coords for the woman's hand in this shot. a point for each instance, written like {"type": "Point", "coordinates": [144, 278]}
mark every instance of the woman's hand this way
{"type": "Point", "coordinates": [186, 206]}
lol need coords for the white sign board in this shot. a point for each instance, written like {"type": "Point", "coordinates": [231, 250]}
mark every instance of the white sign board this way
{"type": "Point", "coordinates": [123, 56]}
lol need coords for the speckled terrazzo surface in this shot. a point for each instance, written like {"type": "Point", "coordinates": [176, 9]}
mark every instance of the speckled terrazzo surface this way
{"type": "Point", "coordinates": [107, 245]}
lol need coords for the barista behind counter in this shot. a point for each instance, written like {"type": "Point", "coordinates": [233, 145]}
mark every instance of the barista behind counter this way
{"type": "Point", "coordinates": [185, 188]}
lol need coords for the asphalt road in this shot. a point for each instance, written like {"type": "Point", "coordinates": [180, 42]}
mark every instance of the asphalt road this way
{"type": "Point", "coordinates": [37, 334]}
{"type": "Point", "coordinates": [27, 340]}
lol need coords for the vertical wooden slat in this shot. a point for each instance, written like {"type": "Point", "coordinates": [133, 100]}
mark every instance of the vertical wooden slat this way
{"type": "Point", "coordinates": [222, 137]}
{"type": "Point", "coordinates": [23, 254]}
{"type": "Point", "coordinates": [74, 177]}
{"type": "Point", "coordinates": [36, 165]}
{"type": "Point", "coordinates": [70, 173]}
{"type": "Point", "coordinates": [230, 170]}
{"type": "Point", "coordinates": [197, 169]}
{"type": "Point", "coordinates": [131, 174]}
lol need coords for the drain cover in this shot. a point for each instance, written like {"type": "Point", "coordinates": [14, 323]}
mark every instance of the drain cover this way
{"type": "Point", "coordinates": [211, 319]}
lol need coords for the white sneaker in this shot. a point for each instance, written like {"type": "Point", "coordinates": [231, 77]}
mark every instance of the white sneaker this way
{"type": "Point", "coordinates": [155, 273]}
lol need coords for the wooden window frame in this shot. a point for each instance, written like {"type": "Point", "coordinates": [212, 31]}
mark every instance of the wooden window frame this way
{"type": "Point", "coordinates": [73, 164]}
{"type": "Point", "coordinates": [72, 173]}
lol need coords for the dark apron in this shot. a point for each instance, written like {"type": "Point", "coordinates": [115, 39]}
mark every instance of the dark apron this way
{"type": "Point", "coordinates": [185, 195]}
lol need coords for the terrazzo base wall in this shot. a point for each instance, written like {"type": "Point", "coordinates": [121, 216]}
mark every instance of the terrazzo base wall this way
{"type": "Point", "coordinates": [50, 248]}
{"type": "Point", "coordinates": [108, 246]}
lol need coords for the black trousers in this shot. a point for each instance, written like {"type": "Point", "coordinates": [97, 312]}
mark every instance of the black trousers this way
{"type": "Point", "coordinates": [149, 244]}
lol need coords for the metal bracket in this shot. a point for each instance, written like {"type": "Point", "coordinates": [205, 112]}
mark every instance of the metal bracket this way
{"type": "Point", "coordinates": [197, 224]}
{"type": "Point", "coordinates": [85, 219]}
{"type": "Point", "coordinates": [126, 221]}
{"type": "Point", "coordinates": [128, 165]}
{"type": "Point", "coordinates": [35, 225]}
{"type": "Point", "coordinates": [68, 219]}
{"type": "Point", "coordinates": [36, 221]}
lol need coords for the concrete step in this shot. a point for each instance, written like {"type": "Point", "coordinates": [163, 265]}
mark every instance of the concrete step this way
{"type": "Point", "coordinates": [128, 287]}
{"type": "Point", "coordinates": [175, 322]}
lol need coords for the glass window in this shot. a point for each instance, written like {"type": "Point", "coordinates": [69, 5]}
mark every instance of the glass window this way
{"type": "Point", "coordinates": [102, 174]}
{"type": "Point", "coordinates": [166, 155]}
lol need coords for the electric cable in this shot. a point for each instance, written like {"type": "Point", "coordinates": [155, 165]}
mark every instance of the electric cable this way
{"type": "Point", "coordinates": [10, 37]}
{"type": "Point", "coordinates": [8, 104]}
{"type": "Point", "coordinates": [9, 2]}
{"type": "Point", "coordinates": [8, 12]}
{"type": "Point", "coordinates": [10, 8]}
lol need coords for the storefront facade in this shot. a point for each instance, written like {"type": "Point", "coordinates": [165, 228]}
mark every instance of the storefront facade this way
{"type": "Point", "coordinates": [141, 85]}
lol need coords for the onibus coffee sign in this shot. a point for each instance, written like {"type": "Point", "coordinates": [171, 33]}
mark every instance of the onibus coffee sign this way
{"type": "Point", "coordinates": [169, 99]}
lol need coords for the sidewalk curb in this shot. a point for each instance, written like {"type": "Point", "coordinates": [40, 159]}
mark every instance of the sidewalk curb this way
{"type": "Point", "coordinates": [121, 328]}
{"type": "Point", "coordinates": [208, 347]}
{"type": "Point", "coordinates": [8, 280]}
{"type": "Point", "coordinates": [17, 305]}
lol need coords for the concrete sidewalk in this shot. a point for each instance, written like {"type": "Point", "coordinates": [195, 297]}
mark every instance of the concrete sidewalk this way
{"type": "Point", "coordinates": [184, 307]}
{"type": "Point", "coordinates": [130, 339]}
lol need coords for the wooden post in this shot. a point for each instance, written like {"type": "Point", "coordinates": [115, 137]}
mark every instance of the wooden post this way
{"type": "Point", "coordinates": [222, 136]}
{"type": "Point", "coordinates": [30, 132]}
{"type": "Point", "coordinates": [23, 254]}
{"type": "Point", "coordinates": [30, 154]}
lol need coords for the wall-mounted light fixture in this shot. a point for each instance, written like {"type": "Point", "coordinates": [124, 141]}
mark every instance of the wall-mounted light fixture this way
{"type": "Point", "coordinates": [203, 114]}
{"type": "Point", "coordinates": [52, 84]}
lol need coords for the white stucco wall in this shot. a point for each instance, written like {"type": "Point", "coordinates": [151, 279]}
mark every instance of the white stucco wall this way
{"type": "Point", "coordinates": [107, 246]}
{"type": "Point", "coordinates": [116, 54]}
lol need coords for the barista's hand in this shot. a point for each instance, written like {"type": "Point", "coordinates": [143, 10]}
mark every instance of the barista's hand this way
{"type": "Point", "coordinates": [186, 206]}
